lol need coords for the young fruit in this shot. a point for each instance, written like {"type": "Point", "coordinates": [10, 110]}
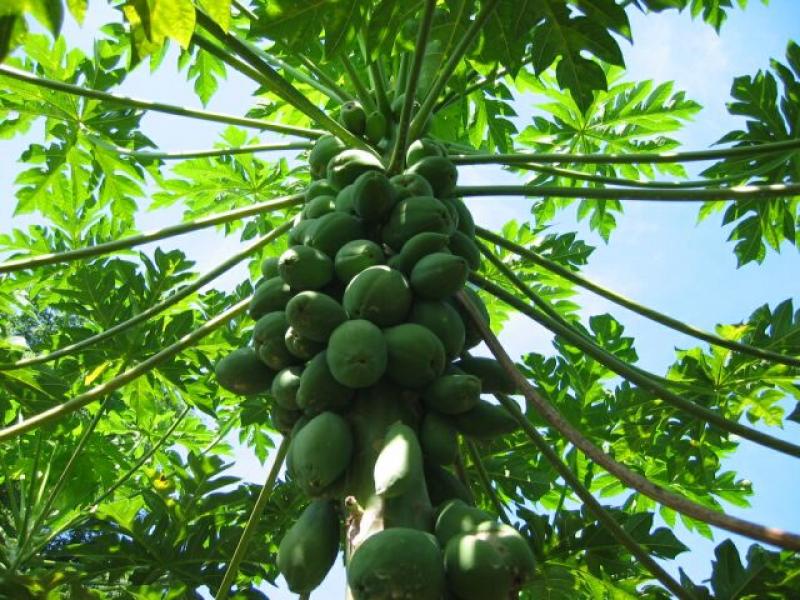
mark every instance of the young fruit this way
{"type": "Point", "coordinates": [241, 372]}
{"type": "Point", "coordinates": [353, 117]}
{"type": "Point", "coordinates": [356, 354]}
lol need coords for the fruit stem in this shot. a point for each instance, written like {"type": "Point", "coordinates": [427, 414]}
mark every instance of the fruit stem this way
{"type": "Point", "coordinates": [361, 90]}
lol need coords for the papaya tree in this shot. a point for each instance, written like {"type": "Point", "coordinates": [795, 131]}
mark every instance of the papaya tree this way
{"type": "Point", "coordinates": [358, 356]}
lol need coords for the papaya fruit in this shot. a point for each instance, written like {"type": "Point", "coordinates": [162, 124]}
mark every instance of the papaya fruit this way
{"type": "Point", "coordinates": [519, 558]}
{"type": "Point", "coordinates": [378, 294]}
{"type": "Point", "coordinates": [301, 230]}
{"type": "Point", "coordinates": [268, 340]}
{"type": "Point", "coordinates": [321, 452]}
{"type": "Point", "coordinates": [345, 167]}
{"type": "Point", "coordinates": [399, 464]}
{"type": "Point", "coordinates": [466, 224]}
{"type": "Point", "coordinates": [319, 391]}
{"type": "Point", "coordinates": [353, 116]}
{"type": "Point", "coordinates": [407, 185]}
{"type": "Point", "coordinates": [283, 419]}
{"type": "Point", "coordinates": [354, 257]}
{"type": "Point", "coordinates": [473, 336]}
{"type": "Point", "coordinates": [305, 268]}
{"type": "Point", "coordinates": [334, 230]}
{"type": "Point", "coordinates": [423, 148]}
{"type": "Point", "coordinates": [443, 485]}
{"type": "Point", "coordinates": [314, 315]}
{"type": "Point", "coordinates": [309, 547]}
{"type": "Point", "coordinates": [242, 372]}
{"type": "Point", "coordinates": [344, 200]}
{"type": "Point", "coordinates": [285, 385]}
{"type": "Point", "coordinates": [269, 296]}
{"type": "Point", "coordinates": [397, 564]}
{"type": "Point", "coordinates": [440, 173]}
{"type": "Point", "coordinates": [325, 148]}
{"type": "Point", "coordinates": [356, 354]}
{"type": "Point", "coordinates": [301, 346]}
{"type": "Point", "coordinates": [494, 379]}
{"type": "Point", "coordinates": [443, 320]}
{"type": "Point", "coordinates": [416, 248]}
{"type": "Point", "coordinates": [453, 394]}
{"type": "Point", "coordinates": [376, 127]}
{"type": "Point", "coordinates": [485, 420]}
{"type": "Point", "coordinates": [456, 517]}
{"type": "Point", "coordinates": [320, 187]}
{"type": "Point", "coordinates": [321, 205]}
{"type": "Point", "coordinates": [465, 247]}
{"type": "Point", "coordinates": [412, 216]}
{"type": "Point", "coordinates": [269, 268]}
{"type": "Point", "coordinates": [439, 275]}
{"type": "Point", "coordinates": [438, 439]}
{"type": "Point", "coordinates": [373, 196]}
{"type": "Point", "coordinates": [416, 356]}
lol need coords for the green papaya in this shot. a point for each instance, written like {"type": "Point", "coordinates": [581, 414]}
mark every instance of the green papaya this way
{"type": "Point", "coordinates": [407, 185]}
{"type": "Point", "coordinates": [494, 379]}
{"type": "Point", "coordinates": [268, 340]}
{"type": "Point", "coordinates": [346, 166]}
{"type": "Point", "coordinates": [305, 268]}
{"type": "Point", "coordinates": [269, 296]}
{"type": "Point", "coordinates": [439, 275]}
{"type": "Point", "coordinates": [473, 336]}
{"type": "Point", "coordinates": [321, 205]}
{"type": "Point", "coordinates": [423, 148]}
{"type": "Point", "coordinates": [443, 320]}
{"type": "Point", "coordinates": [397, 564]}
{"type": "Point", "coordinates": [285, 385]}
{"type": "Point", "coordinates": [440, 173]}
{"type": "Point", "coordinates": [378, 294]}
{"type": "Point", "coordinates": [354, 257]}
{"type": "Point", "coordinates": [344, 200]}
{"type": "Point", "coordinates": [397, 105]}
{"type": "Point", "coordinates": [301, 346]}
{"type": "Point", "coordinates": [242, 372]}
{"type": "Point", "coordinates": [399, 464]}
{"type": "Point", "coordinates": [485, 420]}
{"type": "Point", "coordinates": [465, 247]}
{"type": "Point", "coordinates": [456, 517]}
{"type": "Point", "coordinates": [319, 391]}
{"type": "Point", "coordinates": [321, 452]}
{"type": "Point", "coordinates": [466, 224]}
{"type": "Point", "coordinates": [269, 267]}
{"type": "Point", "coordinates": [325, 148]}
{"type": "Point", "coordinates": [353, 117]}
{"type": "Point", "coordinates": [377, 127]}
{"type": "Point", "coordinates": [412, 216]}
{"type": "Point", "coordinates": [438, 439]}
{"type": "Point", "coordinates": [314, 315]}
{"type": "Point", "coordinates": [301, 230]}
{"type": "Point", "coordinates": [310, 546]}
{"type": "Point", "coordinates": [443, 485]}
{"type": "Point", "coordinates": [416, 356]}
{"type": "Point", "coordinates": [418, 247]}
{"type": "Point", "coordinates": [453, 394]}
{"type": "Point", "coordinates": [334, 230]}
{"type": "Point", "coordinates": [373, 196]}
{"type": "Point", "coordinates": [519, 558]}
{"type": "Point", "coordinates": [357, 354]}
{"type": "Point", "coordinates": [283, 419]}
{"type": "Point", "coordinates": [321, 187]}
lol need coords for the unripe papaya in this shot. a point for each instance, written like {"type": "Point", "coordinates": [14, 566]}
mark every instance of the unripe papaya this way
{"type": "Point", "coordinates": [417, 247]}
{"type": "Point", "coordinates": [354, 257]}
{"type": "Point", "coordinates": [301, 230]}
{"type": "Point", "coordinates": [241, 372]}
{"type": "Point", "coordinates": [515, 548]}
{"type": "Point", "coordinates": [443, 485]}
{"type": "Point", "coordinates": [416, 356]}
{"type": "Point", "coordinates": [269, 296]}
{"type": "Point", "coordinates": [423, 148]}
{"type": "Point", "coordinates": [283, 419]}
{"type": "Point", "coordinates": [397, 564]}
{"type": "Point", "coordinates": [443, 320]}
{"type": "Point", "coordinates": [321, 452]}
{"type": "Point", "coordinates": [439, 275]}
{"type": "Point", "coordinates": [301, 346]}
{"type": "Point", "coordinates": [309, 548]}
{"type": "Point", "coordinates": [357, 354]}
{"type": "Point", "coordinates": [399, 464]}
{"type": "Point", "coordinates": [457, 517]}
{"type": "Point", "coordinates": [438, 439]}
{"type": "Point", "coordinates": [285, 385]}
{"type": "Point", "coordinates": [377, 127]}
{"type": "Point", "coordinates": [415, 215]}
{"type": "Point", "coordinates": [269, 268]}
{"type": "Point", "coordinates": [268, 340]}
{"type": "Point", "coordinates": [485, 420]}
{"type": "Point", "coordinates": [494, 379]}
{"type": "Point", "coordinates": [473, 335]}
{"type": "Point", "coordinates": [314, 315]}
{"type": "Point", "coordinates": [319, 391]}
{"type": "Point", "coordinates": [353, 117]}
{"type": "Point", "coordinates": [321, 205]}
{"type": "Point", "coordinates": [334, 230]}
{"type": "Point", "coordinates": [453, 394]}
{"type": "Point", "coordinates": [373, 196]}
{"type": "Point", "coordinates": [305, 268]}
{"type": "Point", "coordinates": [345, 167]}
{"type": "Point", "coordinates": [344, 200]}
{"type": "Point", "coordinates": [407, 185]}
{"type": "Point", "coordinates": [325, 148]}
{"type": "Point", "coordinates": [465, 247]}
{"type": "Point", "coordinates": [378, 294]}
{"type": "Point", "coordinates": [440, 172]}
{"type": "Point", "coordinates": [321, 187]}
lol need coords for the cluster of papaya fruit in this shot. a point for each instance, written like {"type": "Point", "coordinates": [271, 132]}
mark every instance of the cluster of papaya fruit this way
{"type": "Point", "coordinates": [362, 347]}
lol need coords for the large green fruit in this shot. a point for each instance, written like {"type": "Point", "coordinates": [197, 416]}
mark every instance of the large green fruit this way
{"type": "Point", "coordinates": [302, 228]}
{"type": "Point", "coordinates": [397, 564]}
{"type": "Point", "coordinates": [269, 268]}
{"type": "Point", "coordinates": [334, 230]}
{"type": "Point", "coordinates": [353, 117]}
{"type": "Point", "coordinates": [309, 548]}
{"type": "Point", "coordinates": [346, 166]}
{"type": "Point", "coordinates": [443, 485]}
{"type": "Point", "coordinates": [325, 148]}
{"type": "Point", "coordinates": [416, 356]}
{"type": "Point", "coordinates": [321, 205]}
{"type": "Point", "coordinates": [438, 439]}
{"type": "Point", "coordinates": [453, 394]}
{"type": "Point", "coordinates": [321, 187]}
{"type": "Point", "coordinates": [399, 464]}
{"type": "Point", "coordinates": [378, 294]}
{"type": "Point", "coordinates": [466, 224]}
{"type": "Point", "coordinates": [473, 335]}
{"type": "Point", "coordinates": [355, 256]}
{"type": "Point", "coordinates": [418, 247]}
{"type": "Point", "coordinates": [456, 517]}
{"type": "Point", "coordinates": [357, 354]}
{"type": "Point", "coordinates": [344, 200]}
{"type": "Point", "coordinates": [285, 385]}
{"type": "Point", "coordinates": [443, 320]}
{"type": "Point", "coordinates": [301, 346]}
{"type": "Point", "coordinates": [373, 196]}
{"type": "Point", "coordinates": [282, 419]}
{"type": "Point", "coordinates": [440, 173]}
{"type": "Point", "coordinates": [314, 315]}
{"type": "Point", "coordinates": [407, 185]}
{"type": "Point", "coordinates": [377, 127]}
{"type": "Point", "coordinates": [494, 379]}
{"type": "Point", "coordinates": [485, 420]}
{"type": "Point", "coordinates": [271, 295]}
{"type": "Point", "coordinates": [319, 390]}
{"type": "Point", "coordinates": [268, 340]}
{"type": "Point", "coordinates": [415, 215]}
{"type": "Point", "coordinates": [439, 275]}
{"type": "Point", "coordinates": [241, 372]}
{"type": "Point", "coordinates": [321, 452]}
{"type": "Point", "coordinates": [463, 246]}
{"type": "Point", "coordinates": [423, 148]}
{"type": "Point", "coordinates": [305, 268]}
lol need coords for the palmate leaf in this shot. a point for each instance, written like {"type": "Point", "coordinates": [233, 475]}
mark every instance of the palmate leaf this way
{"type": "Point", "coordinates": [714, 12]}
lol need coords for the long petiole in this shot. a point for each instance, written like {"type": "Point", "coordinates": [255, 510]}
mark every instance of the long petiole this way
{"type": "Point", "coordinates": [361, 90]}
{"type": "Point", "coordinates": [486, 482]}
{"type": "Point", "coordinates": [184, 154]}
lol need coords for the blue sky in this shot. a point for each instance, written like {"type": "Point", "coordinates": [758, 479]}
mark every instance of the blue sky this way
{"type": "Point", "coordinates": [659, 255]}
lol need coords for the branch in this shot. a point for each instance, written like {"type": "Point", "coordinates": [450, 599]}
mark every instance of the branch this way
{"type": "Point", "coordinates": [252, 522]}
{"type": "Point", "coordinates": [158, 234]}
{"type": "Point", "coordinates": [631, 305]}
{"type": "Point", "coordinates": [60, 411]}
{"type": "Point", "coordinates": [769, 535]}
{"type": "Point", "coordinates": [169, 109]}
{"type": "Point", "coordinates": [486, 482]}
{"type": "Point", "coordinates": [249, 149]}
{"type": "Point", "coordinates": [155, 309]}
